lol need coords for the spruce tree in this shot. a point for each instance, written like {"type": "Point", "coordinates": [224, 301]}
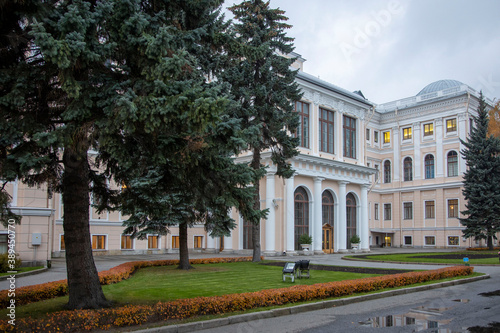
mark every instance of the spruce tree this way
{"type": "Point", "coordinates": [481, 180]}
{"type": "Point", "coordinates": [263, 83]}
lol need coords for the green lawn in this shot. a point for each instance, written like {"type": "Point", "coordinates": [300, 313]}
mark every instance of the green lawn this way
{"type": "Point", "coordinates": [22, 270]}
{"type": "Point", "coordinates": [434, 257]}
{"type": "Point", "coordinates": [154, 284]}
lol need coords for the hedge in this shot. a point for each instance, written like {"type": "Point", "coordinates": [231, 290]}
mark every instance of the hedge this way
{"type": "Point", "coordinates": [104, 319]}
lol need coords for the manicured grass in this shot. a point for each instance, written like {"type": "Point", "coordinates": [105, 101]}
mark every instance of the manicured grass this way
{"type": "Point", "coordinates": [22, 270]}
{"type": "Point", "coordinates": [434, 257]}
{"type": "Point", "coordinates": [165, 283]}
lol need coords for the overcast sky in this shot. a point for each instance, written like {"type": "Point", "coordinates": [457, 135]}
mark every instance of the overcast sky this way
{"type": "Point", "coordinates": [391, 49]}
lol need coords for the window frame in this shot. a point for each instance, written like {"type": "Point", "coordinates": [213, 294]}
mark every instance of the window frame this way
{"type": "Point", "coordinates": [155, 237]}
{"type": "Point", "coordinates": [303, 130]}
{"type": "Point", "coordinates": [453, 127]}
{"type": "Point", "coordinates": [387, 212]}
{"type": "Point", "coordinates": [99, 240]}
{"type": "Point", "coordinates": [453, 207]}
{"type": "Point", "coordinates": [429, 209]}
{"type": "Point", "coordinates": [349, 136]}
{"type": "Point", "coordinates": [407, 169]}
{"type": "Point", "coordinates": [387, 172]}
{"type": "Point", "coordinates": [198, 242]}
{"type": "Point", "coordinates": [407, 133]}
{"type": "Point", "coordinates": [430, 237]}
{"type": "Point", "coordinates": [428, 129]}
{"type": "Point", "coordinates": [176, 242]}
{"type": "Point", "coordinates": [452, 165]}
{"type": "Point", "coordinates": [386, 137]}
{"type": "Point", "coordinates": [408, 210]}
{"type": "Point", "coordinates": [375, 136]}
{"type": "Point", "coordinates": [330, 126]}
{"type": "Point", "coordinates": [376, 211]}
{"type": "Point", "coordinates": [128, 240]}
{"type": "Point", "coordinates": [457, 238]}
{"type": "Point", "coordinates": [429, 168]}
{"type": "Point", "coordinates": [411, 240]}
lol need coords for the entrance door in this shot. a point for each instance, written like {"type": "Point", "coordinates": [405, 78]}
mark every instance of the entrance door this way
{"type": "Point", "coordinates": [327, 239]}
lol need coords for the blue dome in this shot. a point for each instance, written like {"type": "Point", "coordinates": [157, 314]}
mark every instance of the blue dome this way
{"type": "Point", "coordinates": [439, 85]}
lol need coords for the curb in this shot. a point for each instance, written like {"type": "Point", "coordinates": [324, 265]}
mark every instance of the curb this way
{"type": "Point", "coordinates": [18, 275]}
{"type": "Point", "coordinates": [214, 323]}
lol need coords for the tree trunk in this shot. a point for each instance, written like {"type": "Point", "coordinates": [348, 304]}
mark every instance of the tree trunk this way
{"type": "Point", "coordinates": [85, 290]}
{"type": "Point", "coordinates": [256, 225]}
{"type": "Point", "coordinates": [183, 247]}
{"type": "Point", "coordinates": [490, 243]}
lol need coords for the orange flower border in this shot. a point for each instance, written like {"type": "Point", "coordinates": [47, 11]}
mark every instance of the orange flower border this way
{"type": "Point", "coordinates": [482, 249]}
{"type": "Point", "coordinates": [104, 319]}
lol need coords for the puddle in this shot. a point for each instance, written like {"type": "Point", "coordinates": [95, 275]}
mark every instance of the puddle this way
{"type": "Point", "coordinates": [421, 317]}
{"type": "Point", "coordinates": [461, 300]}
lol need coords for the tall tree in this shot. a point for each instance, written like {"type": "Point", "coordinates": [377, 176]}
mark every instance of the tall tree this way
{"type": "Point", "coordinates": [178, 169]}
{"type": "Point", "coordinates": [264, 84]}
{"type": "Point", "coordinates": [481, 180]}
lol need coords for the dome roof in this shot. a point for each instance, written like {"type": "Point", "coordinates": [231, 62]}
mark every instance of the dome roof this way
{"type": "Point", "coordinates": [439, 85]}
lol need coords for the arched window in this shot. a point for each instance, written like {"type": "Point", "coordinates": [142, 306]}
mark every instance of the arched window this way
{"type": "Point", "coordinates": [351, 217]}
{"type": "Point", "coordinates": [429, 166]}
{"type": "Point", "coordinates": [452, 164]}
{"type": "Point", "coordinates": [327, 206]}
{"type": "Point", "coordinates": [408, 169]}
{"type": "Point", "coordinates": [387, 171]}
{"type": "Point", "coordinates": [301, 214]}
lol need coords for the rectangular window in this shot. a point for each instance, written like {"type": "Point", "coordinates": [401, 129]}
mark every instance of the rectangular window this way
{"type": "Point", "coordinates": [98, 242]}
{"type": "Point", "coordinates": [367, 134]}
{"type": "Point", "coordinates": [453, 241]}
{"type": "Point", "coordinates": [387, 211]}
{"type": "Point", "coordinates": [152, 242]}
{"type": "Point", "coordinates": [430, 240]}
{"type": "Point", "coordinates": [453, 208]}
{"type": "Point", "coordinates": [429, 210]}
{"type": "Point", "coordinates": [428, 129]}
{"type": "Point", "coordinates": [303, 129]}
{"type": "Point", "coordinates": [326, 134]}
{"type": "Point", "coordinates": [349, 137]}
{"type": "Point", "coordinates": [376, 211]}
{"type": "Point", "coordinates": [375, 136]}
{"type": "Point", "coordinates": [62, 246]}
{"type": "Point", "coordinates": [451, 125]}
{"type": "Point", "coordinates": [387, 137]}
{"type": "Point", "coordinates": [4, 243]}
{"type": "Point", "coordinates": [408, 210]}
{"type": "Point", "coordinates": [408, 240]}
{"type": "Point", "coordinates": [127, 242]}
{"type": "Point", "coordinates": [376, 173]}
{"type": "Point", "coordinates": [175, 242]}
{"type": "Point", "coordinates": [407, 133]}
{"type": "Point", "coordinates": [198, 242]}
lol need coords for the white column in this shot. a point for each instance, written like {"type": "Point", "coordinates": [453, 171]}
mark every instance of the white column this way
{"type": "Point", "coordinates": [210, 244]}
{"type": "Point", "coordinates": [228, 242]}
{"type": "Point", "coordinates": [290, 224]}
{"type": "Point", "coordinates": [341, 229]}
{"type": "Point", "coordinates": [417, 160]}
{"type": "Point", "coordinates": [364, 229]}
{"type": "Point", "coordinates": [439, 161]}
{"type": "Point", "coordinates": [396, 162]}
{"type": "Point", "coordinates": [270, 229]}
{"type": "Point", "coordinates": [317, 222]}
{"type": "Point", "coordinates": [462, 133]}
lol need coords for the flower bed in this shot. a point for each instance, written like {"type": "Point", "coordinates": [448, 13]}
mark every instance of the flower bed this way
{"type": "Point", "coordinates": [482, 249]}
{"type": "Point", "coordinates": [87, 320]}
{"type": "Point", "coordinates": [40, 292]}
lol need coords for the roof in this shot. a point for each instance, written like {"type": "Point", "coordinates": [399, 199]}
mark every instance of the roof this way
{"type": "Point", "coordinates": [439, 85]}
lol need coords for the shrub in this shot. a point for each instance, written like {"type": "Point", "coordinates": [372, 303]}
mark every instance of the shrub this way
{"type": "Point", "coordinates": [5, 265]}
{"type": "Point", "coordinates": [104, 319]}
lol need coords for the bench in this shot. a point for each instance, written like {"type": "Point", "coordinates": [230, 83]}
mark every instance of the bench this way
{"type": "Point", "coordinates": [303, 269]}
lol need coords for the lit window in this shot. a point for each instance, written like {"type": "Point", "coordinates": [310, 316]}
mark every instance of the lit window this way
{"type": "Point", "coordinates": [453, 208]}
{"type": "Point", "coordinates": [98, 242]}
{"type": "Point", "coordinates": [429, 210]}
{"type": "Point", "coordinates": [451, 125]}
{"type": "Point", "coordinates": [175, 242]}
{"type": "Point", "coordinates": [126, 242]}
{"type": "Point", "coordinates": [407, 133]}
{"type": "Point", "coordinates": [387, 137]}
{"type": "Point", "coordinates": [428, 129]}
{"type": "Point", "coordinates": [453, 240]}
{"type": "Point", "coordinates": [198, 242]}
{"type": "Point", "coordinates": [152, 242]}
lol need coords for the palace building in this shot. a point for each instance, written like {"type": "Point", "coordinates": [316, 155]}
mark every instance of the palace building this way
{"type": "Point", "coordinates": [390, 173]}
